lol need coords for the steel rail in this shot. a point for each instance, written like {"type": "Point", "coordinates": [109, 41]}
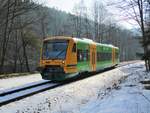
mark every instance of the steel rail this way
{"type": "Point", "coordinates": [126, 63]}
{"type": "Point", "coordinates": [15, 94]}
{"type": "Point", "coordinates": [23, 87]}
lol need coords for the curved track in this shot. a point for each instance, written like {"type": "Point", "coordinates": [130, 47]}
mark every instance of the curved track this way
{"type": "Point", "coordinates": [17, 93]}
{"type": "Point", "coordinates": [127, 63]}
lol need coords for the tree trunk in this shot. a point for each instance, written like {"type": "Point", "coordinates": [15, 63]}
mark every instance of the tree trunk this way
{"type": "Point", "coordinates": [16, 52]}
{"type": "Point", "coordinates": [24, 51]}
{"type": "Point", "coordinates": [4, 40]}
{"type": "Point", "coordinates": [140, 6]}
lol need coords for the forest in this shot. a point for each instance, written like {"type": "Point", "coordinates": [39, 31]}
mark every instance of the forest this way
{"type": "Point", "coordinates": [25, 23]}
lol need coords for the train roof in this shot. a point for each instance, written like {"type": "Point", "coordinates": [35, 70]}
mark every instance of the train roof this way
{"type": "Point", "coordinates": [89, 41]}
{"type": "Point", "coordinates": [84, 40]}
{"type": "Point", "coordinates": [57, 37]}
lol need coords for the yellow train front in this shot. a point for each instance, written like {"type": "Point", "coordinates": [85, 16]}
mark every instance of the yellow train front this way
{"type": "Point", "coordinates": [64, 57]}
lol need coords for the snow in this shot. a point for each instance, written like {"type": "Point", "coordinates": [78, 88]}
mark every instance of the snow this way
{"type": "Point", "coordinates": [127, 100]}
{"type": "Point", "coordinates": [131, 98]}
{"type": "Point", "coordinates": [17, 81]}
{"type": "Point", "coordinates": [114, 91]}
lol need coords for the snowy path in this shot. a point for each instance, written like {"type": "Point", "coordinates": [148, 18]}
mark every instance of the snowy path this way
{"type": "Point", "coordinates": [97, 94]}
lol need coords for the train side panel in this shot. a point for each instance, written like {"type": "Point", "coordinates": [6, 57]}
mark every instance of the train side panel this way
{"type": "Point", "coordinates": [83, 56]}
{"type": "Point", "coordinates": [104, 57]}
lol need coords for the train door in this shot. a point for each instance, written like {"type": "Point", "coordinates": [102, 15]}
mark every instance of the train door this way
{"type": "Point", "coordinates": [93, 57]}
{"type": "Point", "coordinates": [113, 56]}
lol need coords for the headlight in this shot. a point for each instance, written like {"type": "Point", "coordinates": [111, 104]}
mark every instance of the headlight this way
{"type": "Point", "coordinates": [63, 62]}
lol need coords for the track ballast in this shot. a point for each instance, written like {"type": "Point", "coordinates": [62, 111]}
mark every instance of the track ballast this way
{"type": "Point", "coordinates": [13, 94]}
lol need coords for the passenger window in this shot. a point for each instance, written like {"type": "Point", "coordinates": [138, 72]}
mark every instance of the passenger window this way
{"type": "Point", "coordinates": [85, 56]}
{"type": "Point", "coordinates": [79, 55]}
{"type": "Point", "coordinates": [74, 48]}
{"type": "Point", "coordinates": [82, 55]}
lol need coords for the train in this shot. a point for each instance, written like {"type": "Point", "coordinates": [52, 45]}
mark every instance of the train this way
{"type": "Point", "coordinates": [64, 57]}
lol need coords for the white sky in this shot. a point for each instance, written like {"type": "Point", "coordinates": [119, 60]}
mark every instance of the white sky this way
{"type": "Point", "coordinates": [67, 5]}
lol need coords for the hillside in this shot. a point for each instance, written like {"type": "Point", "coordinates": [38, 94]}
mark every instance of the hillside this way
{"type": "Point", "coordinates": [24, 26]}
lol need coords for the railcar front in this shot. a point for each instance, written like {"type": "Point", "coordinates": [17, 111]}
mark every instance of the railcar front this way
{"type": "Point", "coordinates": [58, 59]}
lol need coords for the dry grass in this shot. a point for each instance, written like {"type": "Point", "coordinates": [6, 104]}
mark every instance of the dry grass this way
{"type": "Point", "coordinates": [4, 76]}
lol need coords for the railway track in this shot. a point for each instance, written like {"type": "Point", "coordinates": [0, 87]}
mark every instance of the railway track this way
{"type": "Point", "coordinates": [127, 63]}
{"type": "Point", "coordinates": [13, 94]}
{"type": "Point", "coordinates": [20, 92]}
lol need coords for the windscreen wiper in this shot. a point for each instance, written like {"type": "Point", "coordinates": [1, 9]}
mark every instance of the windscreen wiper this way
{"type": "Point", "coordinates": [60, 53]}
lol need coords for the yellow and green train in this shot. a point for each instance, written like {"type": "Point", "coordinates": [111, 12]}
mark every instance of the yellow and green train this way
{"type": "Point", "coordinates": [66, 57]}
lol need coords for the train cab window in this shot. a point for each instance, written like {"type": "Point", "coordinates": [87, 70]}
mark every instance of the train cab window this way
{"type": "Point", "coordinates": [74, 48]}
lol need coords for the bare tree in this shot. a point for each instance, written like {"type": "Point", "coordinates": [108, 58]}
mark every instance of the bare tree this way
{"type": "Point", "coordinates": [79, 11]}
{"type": "Point", "coordinates": [136, 10]}
{"type": "Point", "coordinates": [10, 10]}
{"type": "Point", "coordinates": [95, 14]}
{"type": "Point", "coordinates": [99, 16]}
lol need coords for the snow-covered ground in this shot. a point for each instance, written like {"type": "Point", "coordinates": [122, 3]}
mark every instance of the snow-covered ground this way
{"type": "Point", "coordinates": [17, 81]}
{"type": "Point", "coordinates": [128, 97]}
{"type": "Point", "coordinates": [114, 91]}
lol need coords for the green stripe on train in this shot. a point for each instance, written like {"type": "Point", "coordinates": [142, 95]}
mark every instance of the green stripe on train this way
{"type": "Point", "coordinates": [103, 64]}
{"type": "Point", "coordinates": [83, 66]}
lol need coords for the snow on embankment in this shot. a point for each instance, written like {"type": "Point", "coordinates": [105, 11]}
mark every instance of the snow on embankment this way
{"type": "Point", "coordinates": [71, 97]}
{"type": "Point", "coordinates": [130, 98]}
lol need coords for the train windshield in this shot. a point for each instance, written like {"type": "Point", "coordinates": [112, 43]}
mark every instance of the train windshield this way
{"type": "Point", "coordinates": [55, 49]}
